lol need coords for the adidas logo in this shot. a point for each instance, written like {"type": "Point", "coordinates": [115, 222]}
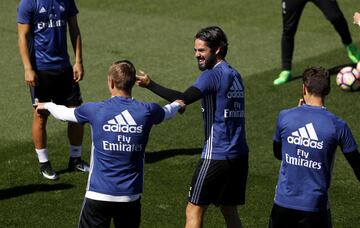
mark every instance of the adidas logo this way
{"type": "Point", "coordinates": [124, 123]}
{"type": "Point", "coordinates": [306, 136]}
{"type": "Point", "coordinates": [42, 10]}
{"type": "Point", "coordinates": [236, 90]}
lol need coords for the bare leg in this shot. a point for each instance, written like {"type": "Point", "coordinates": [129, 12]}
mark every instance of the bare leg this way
{"type": "Point", "coordinates": [39, 129]}
{"type": "Point", "coordinates": [194, 215]}
{"type": "Point", "coordinates": [75, 133]}
{"type": "Point", "coordinates": [231, 216]}
{"type": "Point", "coordinates": [39, 138]}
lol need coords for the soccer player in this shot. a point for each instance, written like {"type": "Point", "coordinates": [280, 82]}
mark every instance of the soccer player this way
{"type": "Point", "coordinates": [305, 140]}
{"type": "Point", "coordinates": [120, 130]}
{"type": "Point", "coordinates": [42, 44]}
{"type": "Point", "coordinates": [291, 13]}
{"type": "Point", "coordinates": [220, 177]}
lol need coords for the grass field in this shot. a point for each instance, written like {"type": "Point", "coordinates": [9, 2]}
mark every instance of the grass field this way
{"type": "Point", "coordinates": [158, 37]}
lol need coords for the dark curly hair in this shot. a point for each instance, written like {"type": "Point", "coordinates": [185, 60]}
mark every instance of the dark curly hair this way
{"type": "Point", "coordinates": [214, 38]}
{"type": "Point", "coordinates": [317, 81]}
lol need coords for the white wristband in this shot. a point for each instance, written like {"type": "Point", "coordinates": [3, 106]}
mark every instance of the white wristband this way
{"type": "Point", "coordinates": [171, 110]}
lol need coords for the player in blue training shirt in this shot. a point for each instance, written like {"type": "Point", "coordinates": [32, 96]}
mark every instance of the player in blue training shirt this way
{"type": "Point", "coordinates": [120, 130]}
{"type": "Point", "coordinates": [42, 26]}
{"type": "Point", "coordinates": [220, 177]}
{"type": "Point", "coordinates": [306, 138]}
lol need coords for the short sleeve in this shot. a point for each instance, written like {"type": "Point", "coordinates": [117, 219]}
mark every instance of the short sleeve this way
{"type": "Point", "coordinates": [347, 142]}
{"type": "Point", "coordinates": [157, 113]}
{"type": "Point", "coordinates": [73, 10]}
{"type": "Point", "coordinates": [206, 82]}
{"type": "Point", "coordinates": [84, 112]}
{"type": "Point", "coordinates": [24, 11]}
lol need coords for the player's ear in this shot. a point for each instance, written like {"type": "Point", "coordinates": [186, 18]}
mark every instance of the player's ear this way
{"type": "Point", "coordinates": [111, 83]}
{"type": "Point", "coordinates": [304, 90]}
{"type": "Point", "coordinates": [217, 50]}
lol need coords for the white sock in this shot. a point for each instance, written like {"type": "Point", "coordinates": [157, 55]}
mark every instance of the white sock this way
{"type": "Point", "coordinates": [75, 151]}
{"type": "Point", "coordinates": [42, 155]}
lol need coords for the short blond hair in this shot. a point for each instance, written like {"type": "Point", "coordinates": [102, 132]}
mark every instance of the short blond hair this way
{"type": "Point", "coordinates": [123, 74]}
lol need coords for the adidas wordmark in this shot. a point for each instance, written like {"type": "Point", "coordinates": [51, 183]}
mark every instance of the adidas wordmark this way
{"type": "Point", "coordinates": [123, 122]}
{"type": "Point", "coordinates": [306, 136]}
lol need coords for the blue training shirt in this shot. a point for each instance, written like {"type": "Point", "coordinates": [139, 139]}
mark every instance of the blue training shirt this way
{"type": "Point", "coordinates": [120, 131]}
{"type": "Point", "coordinates": [309, 137]}
{"type": "Point", "coordinates": [47, 20]}
{"type": "Point", "coordinates": [223, 112]}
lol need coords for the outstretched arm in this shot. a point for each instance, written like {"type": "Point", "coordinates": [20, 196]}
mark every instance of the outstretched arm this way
{"type": "Point", "coordinates": [353, 159]}
{"type": "Point", "coordinates": [191, 95]}
{"type": "Point", "coordinates": [166, 93]}
{"type": "Point", "coordinates": [60, 112]}
{"type": "Point", "coordinates": [172, 108]}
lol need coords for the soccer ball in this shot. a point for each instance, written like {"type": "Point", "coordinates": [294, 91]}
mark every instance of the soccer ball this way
{"type": "Point", "coordinates": [348, 79]}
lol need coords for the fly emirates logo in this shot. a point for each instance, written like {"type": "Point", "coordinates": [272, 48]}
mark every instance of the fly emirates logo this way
{"type": "Point", "coordinates": [306, 136]}
{"type": "Point", "coordinates": [123, 123]}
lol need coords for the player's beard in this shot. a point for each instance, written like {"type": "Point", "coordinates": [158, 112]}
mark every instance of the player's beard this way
{"type": "Point", "coordinates": [209, 63]}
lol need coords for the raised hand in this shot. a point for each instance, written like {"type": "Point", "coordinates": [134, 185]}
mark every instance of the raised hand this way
{"type": "Point", "coordinates": [142, 79]}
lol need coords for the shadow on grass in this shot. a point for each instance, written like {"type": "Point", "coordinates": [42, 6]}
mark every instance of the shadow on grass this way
{"type": "Point", "coordinates": [333, 70]}
{"type": "Point", "coordinates": [333, 60]}
{"type": "Point", "coordinates": [66, 170]}
{"type": "Point", "coordinates": [153, 157]}
{"type": "Point", "coordinates": [31, 188]}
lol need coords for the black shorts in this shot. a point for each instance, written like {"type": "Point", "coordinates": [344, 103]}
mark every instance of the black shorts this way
{"type": "Point", "coordinates": [98, 214]}
{"type": "Point", "coordinates": [219, 182]}
{"type": "Point", "coordinates": [58, 87]}
{"type": "Point", "coordinates": [282, 217]}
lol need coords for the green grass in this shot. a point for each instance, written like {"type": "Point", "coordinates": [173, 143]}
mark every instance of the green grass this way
{"type": "Point", "coordinates": [158, 37]}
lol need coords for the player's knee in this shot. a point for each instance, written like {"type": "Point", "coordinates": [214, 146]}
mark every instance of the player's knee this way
{"type": "Point", "coordinates": [288, 33]}
{"type": "Point", "coordinates": [229, 210]}
{"type": "Point", "coordinates": [189, 212]}
{"type": "Point", "coordinates": [289, 30]}
{"type": "Point", "coordinates": [194, 216]}
{"type": "Point", "coordinates": [194, 211]}
{"type": "Point", "coordinates": [41, 118]}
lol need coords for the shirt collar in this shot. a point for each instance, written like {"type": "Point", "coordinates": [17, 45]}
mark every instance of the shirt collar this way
{"type": "Point", "coordinates": [218, 63]}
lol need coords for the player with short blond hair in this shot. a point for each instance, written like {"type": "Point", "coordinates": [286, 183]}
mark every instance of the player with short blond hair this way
{"type": "Point", "coordinates": [120, 131]}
